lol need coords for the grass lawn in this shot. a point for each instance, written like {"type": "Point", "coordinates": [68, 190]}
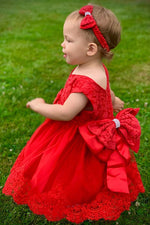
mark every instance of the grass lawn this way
{"type": "Point", "coordinates": [31, 65]}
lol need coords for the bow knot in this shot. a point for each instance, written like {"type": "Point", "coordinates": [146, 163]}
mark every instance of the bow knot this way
{"type": "Point", "coordinates": [87, 13]}
{"type": "Point", "coordinates": [110, 141]}
{"type": "Point", "coordinates": [117, 122]}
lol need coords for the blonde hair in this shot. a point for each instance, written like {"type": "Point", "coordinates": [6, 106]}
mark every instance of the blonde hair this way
{"type": "Point", "coordinates": [107, 23]}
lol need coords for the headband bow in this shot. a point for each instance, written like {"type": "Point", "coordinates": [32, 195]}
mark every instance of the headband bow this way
{"type": "Point", "coordinates": [89, 22]}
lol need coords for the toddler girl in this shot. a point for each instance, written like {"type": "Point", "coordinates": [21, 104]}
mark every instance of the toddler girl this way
{"type": "Point", "coordinates": [79, 164]}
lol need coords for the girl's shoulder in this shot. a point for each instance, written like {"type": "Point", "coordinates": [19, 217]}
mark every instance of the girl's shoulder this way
{"type": "Point", "coordinates": [97, 77]}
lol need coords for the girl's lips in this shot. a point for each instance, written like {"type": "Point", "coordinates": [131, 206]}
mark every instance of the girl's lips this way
{"type": "Point", "coordinates": [65, 55]}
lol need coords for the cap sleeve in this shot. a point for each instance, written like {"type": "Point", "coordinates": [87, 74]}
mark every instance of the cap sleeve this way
{"type": "Point", "coordinates": [89, 88]}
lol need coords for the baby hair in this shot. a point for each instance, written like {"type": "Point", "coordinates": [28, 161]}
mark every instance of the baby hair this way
{"type": "Point", "coordinates": [108, 25]}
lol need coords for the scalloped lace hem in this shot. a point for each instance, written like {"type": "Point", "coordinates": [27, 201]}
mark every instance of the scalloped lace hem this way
{"type": "Point", "coordinates": [107, 205]}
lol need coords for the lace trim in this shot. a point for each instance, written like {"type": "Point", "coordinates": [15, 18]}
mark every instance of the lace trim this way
{"type": "Point", "coordinates": [99, 98]}
{"type": "Point", "coordinates": [107, 205]}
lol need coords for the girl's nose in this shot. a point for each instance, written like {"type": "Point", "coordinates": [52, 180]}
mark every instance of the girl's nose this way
{"type": "Point", "coordinates": [63, 44]}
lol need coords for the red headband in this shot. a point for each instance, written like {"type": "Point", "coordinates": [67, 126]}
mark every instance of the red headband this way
{"type": "Point", "coordinates": [89, 22]}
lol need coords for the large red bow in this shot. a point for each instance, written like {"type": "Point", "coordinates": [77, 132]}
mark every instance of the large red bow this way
{"type": "Point", "coordinates": [111, 145]}
{"type": "Point", "coordinates": [89, 22]}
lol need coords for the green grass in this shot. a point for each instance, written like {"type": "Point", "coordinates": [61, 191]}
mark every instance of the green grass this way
{"type": "Point", "coordinates": [31, 65]}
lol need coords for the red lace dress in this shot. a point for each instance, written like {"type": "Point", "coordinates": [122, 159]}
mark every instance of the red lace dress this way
{"type": "Point", "coordinates": [81, 169]}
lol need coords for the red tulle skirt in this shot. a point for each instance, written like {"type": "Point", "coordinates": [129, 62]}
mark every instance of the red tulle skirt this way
{"type": "Point", "coordinates": [57, 175]}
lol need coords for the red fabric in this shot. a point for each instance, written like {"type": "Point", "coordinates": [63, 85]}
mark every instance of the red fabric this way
{"type": "Point", "coordinates": [57, 174]}
{"type": "Point", "coordinates": [102, 137]}
{"type": "Point", "coordinates": [89, 22]}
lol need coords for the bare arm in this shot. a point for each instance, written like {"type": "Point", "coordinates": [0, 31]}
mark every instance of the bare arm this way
{"type": "Point", "coordinates": [72, 106]}
{"type": "Point", "coordinates": [117, 103]}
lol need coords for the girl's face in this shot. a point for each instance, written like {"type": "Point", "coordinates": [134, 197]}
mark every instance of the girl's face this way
{"type": "Point", "coordinates": [75, 45]}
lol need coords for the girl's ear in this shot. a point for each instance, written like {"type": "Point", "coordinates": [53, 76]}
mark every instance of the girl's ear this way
{"type": "Point", "coordinates": [92, 49]}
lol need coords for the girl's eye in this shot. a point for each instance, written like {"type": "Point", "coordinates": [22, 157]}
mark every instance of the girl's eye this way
{"type": "Point", "coordinates": [68, 40]}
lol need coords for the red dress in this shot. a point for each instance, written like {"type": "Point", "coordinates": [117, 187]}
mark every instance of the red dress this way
{"type": "Point", "coordinates": [81, 169]}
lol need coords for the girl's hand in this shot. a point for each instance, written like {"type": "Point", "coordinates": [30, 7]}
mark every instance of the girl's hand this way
{"type": "Point", "coordinates": [118, 105]}
{"type": "Point", "coordinates": [34, 103]}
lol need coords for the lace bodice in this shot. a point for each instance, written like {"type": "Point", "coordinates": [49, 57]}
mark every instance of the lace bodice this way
{"type": "Point", "coordinates": [99, 98]}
